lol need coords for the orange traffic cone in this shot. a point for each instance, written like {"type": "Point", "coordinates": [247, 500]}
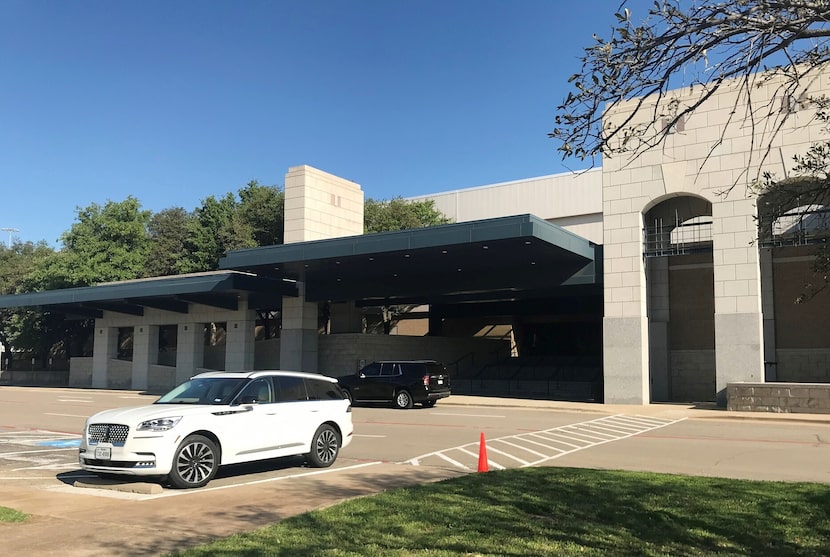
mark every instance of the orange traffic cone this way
{"type": "Point", "coordinates": [483, 465]}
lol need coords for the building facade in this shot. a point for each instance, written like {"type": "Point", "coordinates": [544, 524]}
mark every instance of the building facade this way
{"type": "Point", "coordinates": [657, 277]}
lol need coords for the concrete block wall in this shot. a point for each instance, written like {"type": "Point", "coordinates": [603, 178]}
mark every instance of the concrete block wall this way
{"type": "Point", "coordinates": [807, 398]}
{"type": "Point", "coordinates": [119, 374]}
{"type": "Point", "coordinates": [80, 372]}
{"type": "Point", "coordinates": [803, 364]}
{"type": "Point", "coordinates": [340, 354]}
{"type": "Point", "coordinates": [717, 162]}
{"type": "Point", "coordinates": [691, 375]}
{"type": "Point", "coordinates": [161, 379]}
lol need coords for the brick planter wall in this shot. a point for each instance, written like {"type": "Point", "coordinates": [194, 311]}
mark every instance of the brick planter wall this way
{"type": "Point", "coordinates": [806, 398]}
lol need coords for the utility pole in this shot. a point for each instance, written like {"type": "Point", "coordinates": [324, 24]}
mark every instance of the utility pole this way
{"type": "Point", "coordinates": [10, 231]}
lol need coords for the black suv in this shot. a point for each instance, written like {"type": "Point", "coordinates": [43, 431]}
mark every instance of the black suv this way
{"type": "Point", "coordinates": [401, 382]}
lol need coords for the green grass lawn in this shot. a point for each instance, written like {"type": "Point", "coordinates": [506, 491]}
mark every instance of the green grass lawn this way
{"type": "Point", "coordinates": [557, 511]}
{"type": "Point", "coordinates": [11, 515]}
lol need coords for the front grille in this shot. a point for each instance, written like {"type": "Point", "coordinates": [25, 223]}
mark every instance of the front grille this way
{"type": "Point", "coordinates": [108, 433]}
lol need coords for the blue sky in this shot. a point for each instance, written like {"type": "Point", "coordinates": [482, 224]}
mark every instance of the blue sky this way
{"type": "Point", "coordinates": [173, 101]}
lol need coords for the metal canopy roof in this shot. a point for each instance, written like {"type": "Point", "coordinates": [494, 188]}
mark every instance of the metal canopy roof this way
{"type": "Point", "coordinates": [503, 259]}
{"type": "Point", "coordinates": [218, 289]}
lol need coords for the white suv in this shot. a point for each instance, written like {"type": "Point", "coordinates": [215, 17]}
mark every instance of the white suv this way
{"type": "Point", "coordinates": [220, 418]}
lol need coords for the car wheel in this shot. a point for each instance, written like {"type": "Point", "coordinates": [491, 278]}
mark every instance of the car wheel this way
{"type": "Point", "coordinates": [429, 403]}
{"type": "Point", "coordinates": [403, 400]}
{"type": "Point", "coordinates": [325, 446]}
{"type": "Point", "coordinates": [348, 394]}
{"type": "Point", "coordinates": [195, 462]}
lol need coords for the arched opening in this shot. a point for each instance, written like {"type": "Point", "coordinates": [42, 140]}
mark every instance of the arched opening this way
{"type": "Point", "coordinates": [794, 227]}
{"type": "Point", "coordinates": [677, 244]}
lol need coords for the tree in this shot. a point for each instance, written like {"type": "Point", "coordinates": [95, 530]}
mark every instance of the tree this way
{"type": "Point", "coordinates": [263, 209]}
{"type": "Point", "coordinates": [105, 244]}
{"type": "Point", "coordinates": [699, 47]}
{"type": "Point", "coordinates": [168, 230]}
{"type": "Point", "coordinates": [400, 214]}
{"type": "Point", "coordinates": [205, 244]}
{"type": "Point", "coordinates": [16, 264]}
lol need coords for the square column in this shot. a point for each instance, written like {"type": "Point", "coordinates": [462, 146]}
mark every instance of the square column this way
{"type": "Point", "coordinates": [239, 346]}
{"type": "Point", "coordinates": [145, 354]}
{"type": "Point", "coordinates": [104, 349]}
{"type": "Point", "coordinates": [625, 330]}
{"type": "Point", "coordinates": [299, 339]}
{"type": "Point", "coordinates": [190, 350]}
{"type": "Point", "coordinates": [739, 337]}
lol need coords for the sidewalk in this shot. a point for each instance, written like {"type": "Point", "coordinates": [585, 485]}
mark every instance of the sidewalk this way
{"type": "Point", "coordinates": [703, 410]}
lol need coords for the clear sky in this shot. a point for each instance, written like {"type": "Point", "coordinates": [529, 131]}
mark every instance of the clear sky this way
{"type": "Point", "coordinates": [172, 101]}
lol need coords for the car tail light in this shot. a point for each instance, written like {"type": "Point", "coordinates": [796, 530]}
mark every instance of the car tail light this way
{"type": "Point", "coordinates": [426, 380]}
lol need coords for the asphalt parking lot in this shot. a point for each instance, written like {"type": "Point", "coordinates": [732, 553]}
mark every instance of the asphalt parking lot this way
{"type": "Point", "coordinates": [77, 514]}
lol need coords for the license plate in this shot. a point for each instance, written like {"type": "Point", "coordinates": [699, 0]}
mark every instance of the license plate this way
{"type": "Point", "coordinates": [440, 381]}
{"type": "Point", "coordinates": [103, 453]}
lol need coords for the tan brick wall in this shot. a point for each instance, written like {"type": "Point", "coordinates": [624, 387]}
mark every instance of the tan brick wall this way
{"type": "Point", "coordinates": [809, 398]}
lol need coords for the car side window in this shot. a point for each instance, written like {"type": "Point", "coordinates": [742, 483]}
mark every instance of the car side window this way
{"type": "Point", "coordinates": [390, 370]}
{"type": "Point", "coordinates": [323, 390]}
{"type": "Point", "coordinates": [413, 369]}
{"type": "Point", "coordinates": [372, 370]}
{"type": "Point", "coordinates": [290, 389]}
{"type": "Point", "coordinates": [259, 390]}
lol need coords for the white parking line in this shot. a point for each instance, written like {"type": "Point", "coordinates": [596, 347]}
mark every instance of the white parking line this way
{"type": "Point", "coordinates": [4, 455]}
{"type": "Point", "coordinates": [176, 493]}
{"type": "Point", "coordinates": [575, 437]}
{"type": "Point", "coordinates": [466, 415]}
{"type": "Point", "coordinates": [65, 415]}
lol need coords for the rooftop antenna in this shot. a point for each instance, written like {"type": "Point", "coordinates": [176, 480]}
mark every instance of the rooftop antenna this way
{"type": "Point", "coordinates": [10, 231]}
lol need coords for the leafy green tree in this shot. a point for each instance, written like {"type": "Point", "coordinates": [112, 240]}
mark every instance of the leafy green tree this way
{"type": "Point", "coordinates": [400, 214]}
{"type": "Point", "coordinates": [220, 225]}
{"type": "Point", "coordinates": [16, 264]}
{"type": "Point", "coordinates": [168, 231]}
{"type": "Point", "coordinates": [263, 209]}
{"type": "Point", "coordinates": [106, 243]}
{"type": "Point", "coordinates": [208, 234]}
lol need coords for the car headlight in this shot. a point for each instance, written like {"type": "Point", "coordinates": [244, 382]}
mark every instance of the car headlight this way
{"type": "Point", "coordinates": [159, 424]}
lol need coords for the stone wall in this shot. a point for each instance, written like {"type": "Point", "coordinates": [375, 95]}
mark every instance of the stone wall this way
{"type": "Point", "coordinates": [803, 364]}
{"type": "Point", "coordinates": [80, 372]}
{"type": "Point", "coordinates": [692, 375]}
{"type": "Point", "coordinates": [342, 354]}
{"type": "Point", "coordinates": [806, 398]}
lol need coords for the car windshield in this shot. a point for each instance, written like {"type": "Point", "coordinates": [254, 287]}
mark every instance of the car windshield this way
{"type": "Point", "coordinates": [205, 390]}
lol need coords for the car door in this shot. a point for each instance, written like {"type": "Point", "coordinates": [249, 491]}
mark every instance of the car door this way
{"type": "Point", "coordinates": [390, 380]}
{"type": "Point", "coordinates": [295, 415]}
{"type": "Point", "coordinates": [366, 384]}
{"type": "Point", "coordinates": [253, 424]}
